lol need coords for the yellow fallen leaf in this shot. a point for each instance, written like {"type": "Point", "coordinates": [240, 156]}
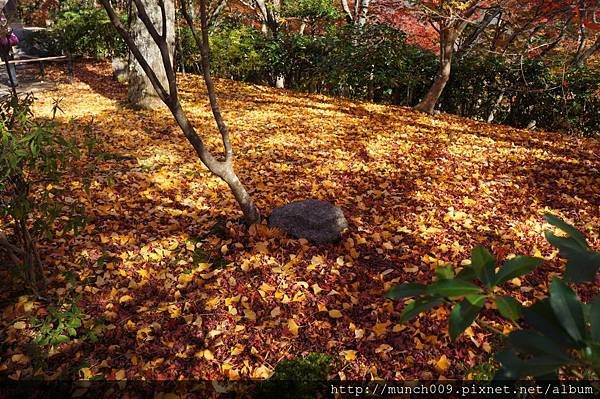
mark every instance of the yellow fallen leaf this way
{"type": "Point", "coordinates": [120, 375]}
{"type": "Point", "coordinates": [237, 349]}
{"type": "Point", "coordinates": [250, 314]}
{"type": "Point", "coordinates": [486, 347]}
{"type": "Point", "coordinates": [381, 328]}
{"type": "Point", "coordinates": [142, 272]}
{"type": "Point", "coordinates": [86, 373]}
{"type": "Point", "coordinates": [316, 289]}
{"type": "Point", "coordinates": [208, 355]}
{"type": "Point", "coordinates": [383, 348]}
{"type": "Point", "coordinates": [174, 311]}
{"type": "Point", "coordinates": [19, 325]}
{"type": "Point", "coordinates": [293, 327]}
{"type": "Point", "coordinates": [143, 333]}
{"type": "Point", "coordinates": [262, 372]}
{"type": "Point", "coordinates": [442, 364]}
{"type": "Point", "coordinates": [266, 287]}
{"type": "Point", "coordinates": [334, 313]}
{"type": "Point", "coordinates": [20, 358]}
{"type": "Point", "coordinates": [349, 355]}
{"type": "Point", "coordinates": [125, 298]}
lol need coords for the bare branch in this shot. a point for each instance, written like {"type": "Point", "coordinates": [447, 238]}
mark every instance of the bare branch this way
{"type": "Point", "coordinates": [203, 46]}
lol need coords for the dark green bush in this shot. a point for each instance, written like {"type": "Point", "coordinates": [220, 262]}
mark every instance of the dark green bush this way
{"type": "Point", "coordinates": [81, 32]}
{"type": "Point", "coordinates": [528, 93]}
{"type": "Point", "coordinates": [375, 63]}
{"type": "Point", "coordinates": [238, 52]}
{"type": "Point", "coordinates": [299, 378]}
{"type": "Point", "coordinates": [187, 55]}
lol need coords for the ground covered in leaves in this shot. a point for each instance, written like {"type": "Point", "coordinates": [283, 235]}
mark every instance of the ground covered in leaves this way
{"type": "Point", "coordinates": [175, 287]}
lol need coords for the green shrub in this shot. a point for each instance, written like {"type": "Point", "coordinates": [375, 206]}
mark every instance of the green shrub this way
{"type": "Point", "coordinates": [562, 333]}
{"type": "Point", "coordinates": [33, 159]}
{"type": "Point", "coordinates": [376, 63]}
{"type": "Point", "coordinates": [61, 325]}
{"type": "Point", "coordinates": [524, 93]}
{"type": "Point", "coordinates": [187, 56]}
{"type": "Point", "coordinates": [299, 378]}
{"type": "Point", "coordinates": [238, 52]}
{"type": "Point", "coordinates": [81, 32]}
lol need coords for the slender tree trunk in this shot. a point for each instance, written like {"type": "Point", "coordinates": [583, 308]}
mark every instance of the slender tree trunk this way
{"type": "Point", "coordinates": [141, 94]}
{"type": "Point", "coordinates": [491, 116]}
{"type": "Point", "coordinates": [447, 37]}
{"type": "Point", "coordinates": [346, 8]}
{"type": "Point", "coordinates": [364, 10]}
{"type": "Point", "coordinates": [168, 94]}
{"type": "Point", "coordinates": [583, 56]}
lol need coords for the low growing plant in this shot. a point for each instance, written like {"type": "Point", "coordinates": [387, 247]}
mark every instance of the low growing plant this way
{"type": "Point", "coordinates": [301, 377]}
{"type": "Point", "coordinates": [557, 333]}
{"type": "Point", "coordinates": [33, 160]}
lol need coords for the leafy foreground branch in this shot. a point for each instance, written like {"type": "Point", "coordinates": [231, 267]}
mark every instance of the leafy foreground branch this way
{"type": "Point", "coordinates": [560, 333]}
{"type": "Point", "coordinates": [33, 159]}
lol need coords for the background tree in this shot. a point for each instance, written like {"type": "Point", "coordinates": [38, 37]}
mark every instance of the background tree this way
{"type": "Point", "coordinates": [268, 13]}
{"type": "Point", "coordinates": [357, 12]}
{"type": "Point", "coordinates": [310, 12]}
{"type": "Point", "coordinates": [449, 19]}
{"type": "Point", "coordinates": [141, 93]}
{"type": "Point", "coordinates": [168, 93]}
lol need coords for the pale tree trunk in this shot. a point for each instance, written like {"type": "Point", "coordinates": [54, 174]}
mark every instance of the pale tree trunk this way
{"type": "Point", "coordinates": [347, 11]}
{"type": "Point", "coordinates": [364, 10]}
{"type": "Point", "coordinates": [141, 94]}
{"type": "Point", "coordinates": [447, 37]}
{"type": "Point", "coordinates": [358, 16]}
{"type": "Point", "coordinates": [491, 116]}
{"type": "Point", "coordinates": [168, 94]}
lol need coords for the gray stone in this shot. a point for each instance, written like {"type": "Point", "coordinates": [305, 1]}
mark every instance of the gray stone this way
{"type": "Point", "coordinates": [317, 221]}
{"type": "Point", "coordinates": [120, 69]}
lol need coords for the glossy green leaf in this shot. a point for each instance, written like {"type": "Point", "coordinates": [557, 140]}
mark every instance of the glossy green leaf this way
{"type": "Point", "coordinates": [452, 288]}
{"type": "Point", "coordinates": [461, 317]}
{"type": "Point", "coordinates": [466, 274]}
{"type": "Point", "coordinates": [509, 307]}
{"type": "Point", "coordinates": [595, 319]}
{"type": "Point", "coordinates": [405, 290]}
{"type": "Point", "coordinates": [420, 305]}
{"type": "Point", "coordinates": [541, 317]}
{"type": "Point", "coordinates": [516, 267]}
{"type": "Point", "coordinates": [567, 228]}
{"type": "Point", "coordinates": [583, 267]}
{"type": "Point", "coordinates": [531, 342]}
{"type": "Point", "coordinates": [582, 264]}
{"type": "Point", "coordinates": [512, 367]}
{"type": "Point", "coordinates": [444, 273]}
{"type": "Point", "coordinates": [476, 299]}
{"type": "Point", "coordinates": [483, 263]}
{"type": "Point", "coordinates": [568, 309]}
{"type": "Point", "coordinates": [539, 366]}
